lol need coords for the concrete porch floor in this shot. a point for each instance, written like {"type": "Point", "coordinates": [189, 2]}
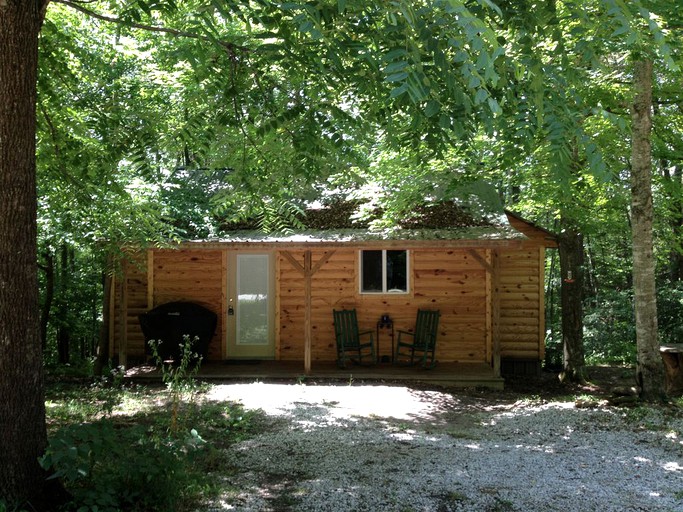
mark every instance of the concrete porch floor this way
{"type": "Point", "coordinates": [457, 375]}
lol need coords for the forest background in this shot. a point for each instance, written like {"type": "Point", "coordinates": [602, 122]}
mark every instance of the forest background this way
{"type": "Point", "coordinates": [149, 134]}
{"type": "Point", "coordinates": [157, 121]}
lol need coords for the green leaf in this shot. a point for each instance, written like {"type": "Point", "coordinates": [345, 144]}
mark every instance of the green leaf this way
{"type": "Point", "coordinates": [480, 96]}
{"type": "Point", "coordinates": [433, 107]}
{"type": "Point", "coordinates": [395, 54]}
{"type": "Point", "coordinates": [398, 91]}
{"type": "Point", "coordinates": [397, 77]}
{"type": "Point", "coordinates": [395, 67]}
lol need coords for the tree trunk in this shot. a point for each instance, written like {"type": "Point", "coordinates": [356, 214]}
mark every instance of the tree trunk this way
{"type": "Point", "coordinates": [571, 293]}
{"type": "Point", "coordinates": [23, 434]}
{"type": "Point", "coordinates": [650, 370]}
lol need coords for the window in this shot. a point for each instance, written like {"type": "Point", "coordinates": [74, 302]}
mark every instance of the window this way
{"type": "Point", "coordinates": [384, 272]}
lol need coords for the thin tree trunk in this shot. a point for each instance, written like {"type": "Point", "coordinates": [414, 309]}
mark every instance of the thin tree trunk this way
{"type": "Point", "coordinates": [23, 433]}
{"type": "Point", "coordinates": [49, 270]}
{"type": "Point", "coordinates": [63, 331]}
{"type": "Point", "coordinates": [650, 370]}
{"type": "Point", "coordinates": [103, 342]}
{"type": "Point", "coordinates": [571, 293]}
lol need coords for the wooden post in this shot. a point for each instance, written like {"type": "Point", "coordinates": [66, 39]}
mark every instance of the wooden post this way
{"type": "Point", "coordinates": [150, 279]}
{"type": "Point", "coordinates": [308, 270]}
{"type": "Point", "coordinates": [308, 289]}
{"type": "Point", "coordinates": [112, 316]}
{"type": "Point", "coordinates": [541, 303]}
{"type": "Point", "coordinates": [224, 304]}
{"type": "Point", "coordinates": [489, 305]}
{"type": "Point", "coordinates": [123, 319]}
{"type": "Point", "coordinates": [495, 311]}
{"type": "Point", "coordinates": [493, 303]}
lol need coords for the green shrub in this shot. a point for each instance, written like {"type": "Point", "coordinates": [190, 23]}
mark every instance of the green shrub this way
{"type": "Point", "coordinates": [110, 469]}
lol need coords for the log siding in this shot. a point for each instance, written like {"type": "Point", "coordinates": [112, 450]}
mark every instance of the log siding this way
{"type": "Point", "coordinates": [490, 297]}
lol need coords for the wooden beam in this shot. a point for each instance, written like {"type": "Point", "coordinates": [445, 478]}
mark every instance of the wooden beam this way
{"type": "Point", "coordinates": [482, 261]}
{"type": "Point", "coordinates": [324, 259]}
{"type": "Point", "coordinates": [288, 256]}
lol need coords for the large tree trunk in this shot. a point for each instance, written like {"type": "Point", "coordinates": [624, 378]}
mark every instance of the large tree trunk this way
{"type": "Point", "coordinates": [571, 293]}
{"type": "Point", "coordinates": [23, 434]}
{"type": "Point", "coordinates": [650, 371]}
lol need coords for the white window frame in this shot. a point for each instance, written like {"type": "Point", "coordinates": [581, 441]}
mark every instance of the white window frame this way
{"type": "Point", "coordinates": [384, 290]}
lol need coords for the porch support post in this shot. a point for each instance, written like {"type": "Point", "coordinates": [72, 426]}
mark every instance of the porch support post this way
{"type": "Point", "coordinates": [112, 316]}
{"type": "Point", "coordinates": [123, 318]}
{"type": "Point", "coordinates": [150, 279]}
{"type": "Point", "coordinates": [308, 270]}
{"type": "Point", "coordinates": [493, 269]}
{"type": "Point", "coordinates": [495, 311]}
{"type": "Point", "coordinates": [308, 290]}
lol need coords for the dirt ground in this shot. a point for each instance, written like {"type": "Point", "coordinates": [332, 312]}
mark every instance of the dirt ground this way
{"type": "Point", "coordinates": [602, 382]}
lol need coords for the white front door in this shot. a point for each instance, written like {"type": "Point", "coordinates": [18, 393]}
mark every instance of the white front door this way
{"type": "Point", "coordinates": [251, 318]}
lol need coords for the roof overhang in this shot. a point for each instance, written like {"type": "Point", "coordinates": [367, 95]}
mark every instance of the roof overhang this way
{"type": "Point", "coordinates": [474, 237]}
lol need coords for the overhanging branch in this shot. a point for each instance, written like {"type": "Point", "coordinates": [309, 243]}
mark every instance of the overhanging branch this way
{"type": "Point", "coordinates": [232, 48]}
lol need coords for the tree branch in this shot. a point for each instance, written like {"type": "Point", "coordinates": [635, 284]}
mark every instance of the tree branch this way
{"type": "Point", "coordinates": [231, 48]}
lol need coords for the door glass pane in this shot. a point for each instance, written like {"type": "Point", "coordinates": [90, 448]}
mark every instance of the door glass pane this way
{"type": "Point", "coordinates": [397, 275]}
{"type": "Point", "coordinates": [252, 299]}
{"type": "Point", "coordinates": [372, 271]}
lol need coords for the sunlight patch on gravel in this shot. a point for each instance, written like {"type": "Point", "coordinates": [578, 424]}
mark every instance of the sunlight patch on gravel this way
{"type": "Point", "coordinates": [343, 402]}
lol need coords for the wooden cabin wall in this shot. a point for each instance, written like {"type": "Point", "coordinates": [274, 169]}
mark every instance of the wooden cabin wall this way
{"type": "Point", "coordinates": [522, 303]}
{"type": "Point", "coordinates": [192, 276]}
{"type": "Point", "coordinates": [455, 281]}
{"type": "Point", "coordinates": [452, 281]}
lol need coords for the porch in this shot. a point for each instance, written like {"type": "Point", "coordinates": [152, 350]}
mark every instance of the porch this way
{"type": "Point", "coordinates": [455, 375]}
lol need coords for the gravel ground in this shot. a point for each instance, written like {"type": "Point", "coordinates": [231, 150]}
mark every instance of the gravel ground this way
{"type": "Point", "coordinates": [392, 448]}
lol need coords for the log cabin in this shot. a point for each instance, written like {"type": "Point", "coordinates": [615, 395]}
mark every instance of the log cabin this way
{"type": "Point", "coordinates": [274, 294]}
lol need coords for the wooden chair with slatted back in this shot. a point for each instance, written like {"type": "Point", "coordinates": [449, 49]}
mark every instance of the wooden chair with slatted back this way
{"type": "Point", "coordinates": [419, 346]}
{"type": "Point", "coordinates": [351, 343]}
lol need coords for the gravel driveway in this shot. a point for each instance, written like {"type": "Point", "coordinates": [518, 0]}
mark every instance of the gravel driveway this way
{"type": "Point", "coordinates": [392, 448]}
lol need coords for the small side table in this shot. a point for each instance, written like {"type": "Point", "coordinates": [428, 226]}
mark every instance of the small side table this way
{"type": "Point", "coordinates": [385, 322]}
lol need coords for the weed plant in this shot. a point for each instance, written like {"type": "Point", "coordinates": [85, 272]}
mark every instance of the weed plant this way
{"type": "Point", "coordinates": [179, 377]}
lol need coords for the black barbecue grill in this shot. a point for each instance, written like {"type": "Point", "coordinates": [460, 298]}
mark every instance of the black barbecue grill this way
{"type": "Point", "coordinates": [169, 323]}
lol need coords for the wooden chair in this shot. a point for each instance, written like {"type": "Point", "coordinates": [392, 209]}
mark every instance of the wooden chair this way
{"type": "Point", "coordinates": [421, 344]}
{"type": "Point", "coordinates": [349, 341]}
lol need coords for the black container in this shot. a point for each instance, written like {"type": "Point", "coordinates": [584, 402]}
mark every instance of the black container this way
{"type": "Point", "coordinates": [169, 323]}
